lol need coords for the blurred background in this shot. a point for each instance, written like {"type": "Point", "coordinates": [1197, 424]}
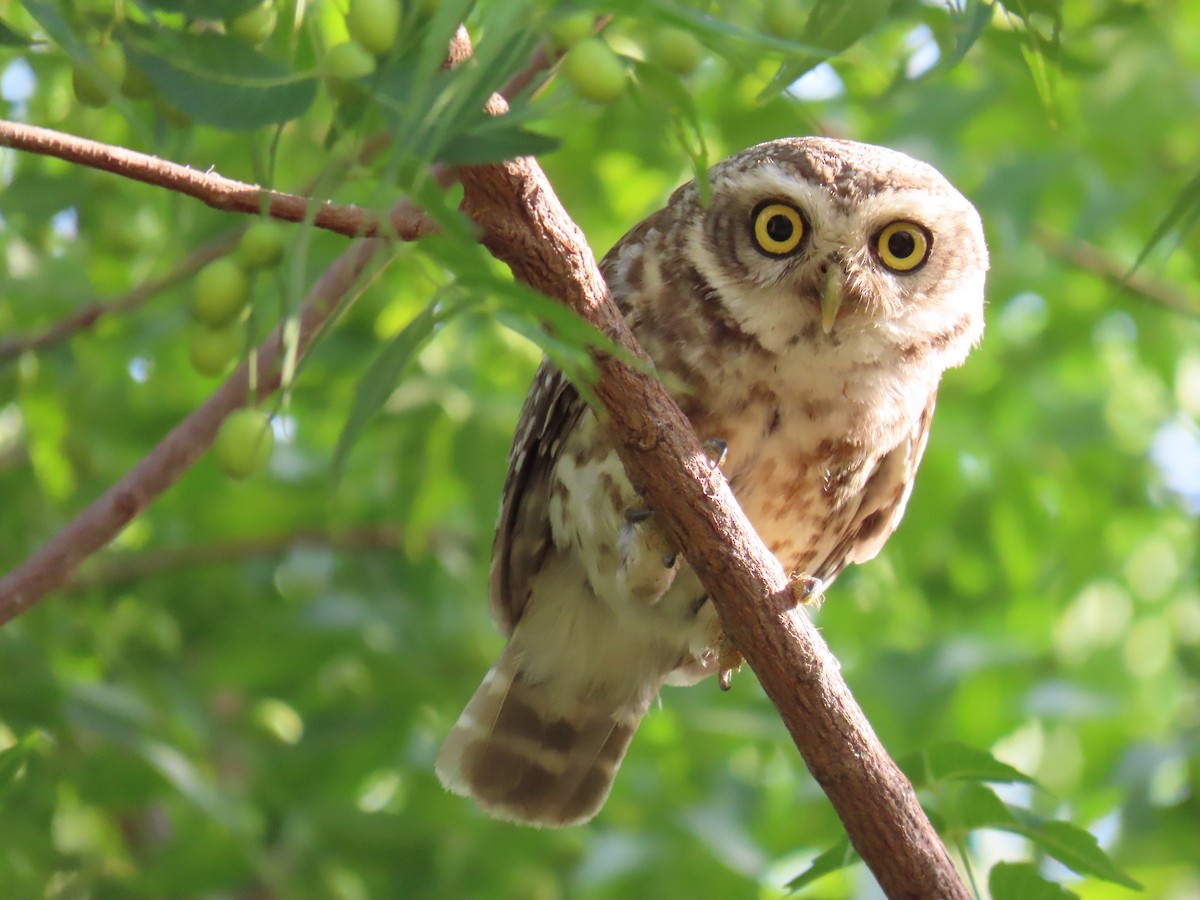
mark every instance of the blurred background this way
{"type": "Point", "coordinates": [244, 695]}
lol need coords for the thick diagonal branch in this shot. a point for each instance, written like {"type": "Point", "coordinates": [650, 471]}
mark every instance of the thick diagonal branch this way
{"type": "Point", "coordinates": [524, 225]}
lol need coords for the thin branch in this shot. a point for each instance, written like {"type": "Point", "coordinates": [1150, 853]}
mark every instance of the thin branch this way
{"type": "Point", "coordinates": [52, 566]}
{"type": "Point", "coordinates": [131, 567]}
{"type": "Point", "coordinates": [1098, 262]}
{"type": "Point", "coordinates": [208, 187]}
{"type": "Point", "coordinates": [87, 317]}
{"type": "Point", "coordinates": [524, 225]}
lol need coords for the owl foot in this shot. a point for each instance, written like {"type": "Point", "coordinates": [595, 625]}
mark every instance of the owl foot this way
{"type": "Point", "coordinates": [806, 590]}
{"type": "Point", "coordinates": [716, 450]}
{"type": "Point", "coordinates": [728, 662]}
{"type": "Point", "coordinates": [647, 560]}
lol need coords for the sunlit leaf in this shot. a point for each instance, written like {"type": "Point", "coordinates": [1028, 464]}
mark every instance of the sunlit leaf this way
{"type": "Point", "coordinates": [1180, 217]}
{"type": "Point", "coordinates": [952, 761]}
{"type": "Point", "coordinates": [380, 379]}
{"type": "Point", "coordinates": [219, 80]}
{"type": "Point", "coordinates": [839, 856]}
{"type": "Point", "coordinates": [1022, 881]}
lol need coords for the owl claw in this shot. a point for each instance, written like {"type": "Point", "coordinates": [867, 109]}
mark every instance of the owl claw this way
{"type": "Point", "coordinates": [716, 450]}
{"type": "Point", "coordinates": [637, 516]}
{"type": "Point", "coordinates": [806, 589]}
{"type": "Point", "coordinates": [728, 662]}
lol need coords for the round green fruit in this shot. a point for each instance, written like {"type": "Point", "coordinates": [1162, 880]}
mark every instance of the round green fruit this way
{"type": "Point", "coordinates": [348, 61]}
{"type": "Point", "coordinates": [676, 49]}
{"type": "Point", "coordinates": [244, 443]}
{"type": "Point", "coordinates": [374, 24]}
{"type": "Point", "coordinates": [137, 86]}
{"type": "Point", "coordinates": [96, 80]}
{"type": "Point", "coordinates": [594, 71]}
{"type": "Point", "coordinates": [568, 31]}
{"type": "Point", "coordinates": [261, 246]}
{"type": "Point", "coordinates": [255, 25]}
{"type": "Point", "coordinates": [222, 290]}
{"type": "Point", "coordinates": [213, 350]}
{"type": "Point", "coordinates": [783, 18]}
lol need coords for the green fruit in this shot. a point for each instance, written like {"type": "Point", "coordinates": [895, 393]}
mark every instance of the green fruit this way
{"type": "Point", "coordinates": [347, 61]}
{"type": "Point", "coordinates": [222, 290]}
{"type": "Point", "coordinates": [783, 18]}
{"type": "Point", "coordinates": [677, 49]}
{"type": "Point", "coordinates": [255, 25]}
{"type": "Point", "coordinates": [261, 246]}
{"type": "Point", "coordinates": [96, 80]}
{"type": "Point", "coordinates": [374, 24]}
{"type": "Point", "coordinates": [213, 350]}
{"type": "Point", "coordinates": [594, 71]}
{"type": "Point", "coordinates": [136, 85]}
{"type": "Point", "coordinates": [244, 443]}
{"type": "Point", "coordinates": [568, 31]}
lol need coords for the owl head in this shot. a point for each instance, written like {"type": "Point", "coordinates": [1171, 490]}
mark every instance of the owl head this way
{"type": "Point", "coordinates": [831, 241]}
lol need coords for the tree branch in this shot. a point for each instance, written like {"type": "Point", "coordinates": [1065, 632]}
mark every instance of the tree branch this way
{"type": "Point", "coordinates": [524, 225]}
{"type": "Point", "coordinates": [208, 187]}
{"type": "Point", "coordinates": [1092, 259]}
{"type": "Point", "coordinates": [88, 316]}
{"type": "Point", "coordinates": [126, 567]}
{"type": "Point", "coordinates": [56, 561]}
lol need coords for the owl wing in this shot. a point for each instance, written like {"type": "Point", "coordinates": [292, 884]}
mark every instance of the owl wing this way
{"type": "Point", "coordinates": [882, 501]}
{"type": "Point", "coordinates": [552, 408]}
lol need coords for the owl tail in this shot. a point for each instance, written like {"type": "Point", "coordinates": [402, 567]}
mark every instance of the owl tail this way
{"type": "Point", "coordinates": [524, 759]}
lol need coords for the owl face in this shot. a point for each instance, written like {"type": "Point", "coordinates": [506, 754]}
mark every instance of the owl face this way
{"type": "Point", "coordinates": [838, 241]}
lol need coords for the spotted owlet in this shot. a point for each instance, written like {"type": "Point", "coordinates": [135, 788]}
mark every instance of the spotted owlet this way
{"type": "Point", "coordinates": [803, 317]}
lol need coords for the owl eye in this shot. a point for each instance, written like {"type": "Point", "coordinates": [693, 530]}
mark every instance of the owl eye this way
{"type": "Point", "coordinates": [778, 228]}
{"type": "Point", "coordinates": [903, 246]}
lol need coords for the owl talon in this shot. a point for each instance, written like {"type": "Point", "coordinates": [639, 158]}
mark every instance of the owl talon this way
{"type": "Point", "coordinates": [637, 516]}
{"type": "Point", "coordinates": [669, 560]}
{"type": "Point", "coordinates": [728, 662]}
{"type": "Point", "coordinates": [806, 590]}
{"type": "Point", "coordinates": [716, 450]}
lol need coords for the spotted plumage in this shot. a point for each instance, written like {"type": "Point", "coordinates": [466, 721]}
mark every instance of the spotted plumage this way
{"type": "Point", "coordinates": [804, 317]}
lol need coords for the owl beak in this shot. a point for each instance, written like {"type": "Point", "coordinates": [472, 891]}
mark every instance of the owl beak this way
{"type": "Point", "coordinates": [831, 298]}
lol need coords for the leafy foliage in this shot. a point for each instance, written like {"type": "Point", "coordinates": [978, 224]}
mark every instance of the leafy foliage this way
{"type": "Point", "coordinates": [245, 693]}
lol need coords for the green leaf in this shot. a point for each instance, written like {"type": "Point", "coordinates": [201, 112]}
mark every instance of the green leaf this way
{"type": "Point", "coordinates": [11, 38]}
{"type": "Point", "coordinates": [1072, 846]}
{"type": "Point", "coordinates": [1021, 881]}
{"type": "Point", "coordinates": [219, 80]}
{"type": "Point", "coordinates": [979, 807]}
{"type": "Point", "coordinates": [380, 379]}
{"type": "Point", "coordinates": [839, 856]}
{"type": "Point", "coordinates": [952, 761]}
{"type": "Point", "coordinates": [1182, 215]}
{"type": "Point", "coordinates": [13, 758]}
{"type": "Point", "coordinates": [493, 143]}
{"type": "Point", "coordinates": [206, 9]}
{"type": "Point", "coordinates": [833, 26]}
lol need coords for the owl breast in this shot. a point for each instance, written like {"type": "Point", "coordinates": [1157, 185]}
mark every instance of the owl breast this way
{"type": "Point", "coordinates": [809, 419]}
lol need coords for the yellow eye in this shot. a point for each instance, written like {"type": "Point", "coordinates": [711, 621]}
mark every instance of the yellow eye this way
{"type": "Point", "coordinates": [778, 228]}
{"type": "Point", "coordinates": [903, 246]}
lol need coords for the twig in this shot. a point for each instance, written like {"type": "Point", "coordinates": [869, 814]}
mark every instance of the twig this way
{"type": "Point", "coordinates": [88, 316]}
{"type": "Point", "coordinates": [127, 567]}
{"type": "Point", "coordinates": [1098, 262]}
{"type": "Point", "coordinates": [208, 187]}
{"type": "Point", "coordinates": [50, 567]}
{"type": "Point", "coordinates": [524, 225]}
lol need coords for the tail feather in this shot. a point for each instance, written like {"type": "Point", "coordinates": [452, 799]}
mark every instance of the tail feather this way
{"type": "Point", "coordinates": [525, 760]}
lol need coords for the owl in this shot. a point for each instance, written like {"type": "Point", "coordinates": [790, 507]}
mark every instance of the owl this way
{"type": "Point", "coordinates": [802, 318]}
